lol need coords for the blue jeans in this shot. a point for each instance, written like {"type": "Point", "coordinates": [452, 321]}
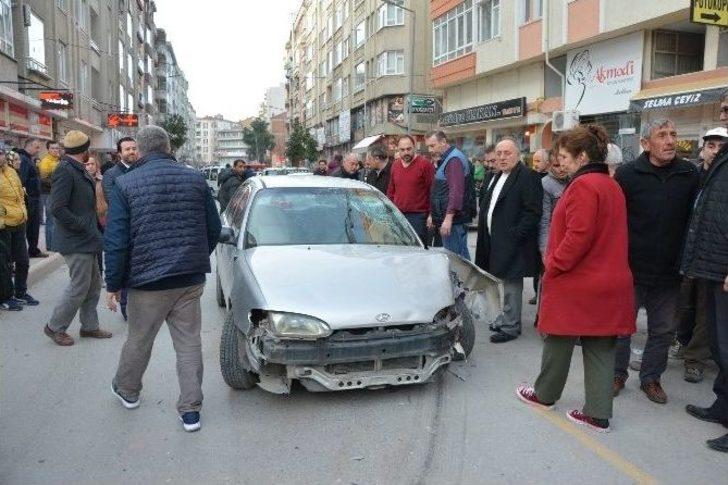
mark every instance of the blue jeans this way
{"type": "Point", "coordinates": [418, 220]}
{"type": "Point", "coordinates": [457, 241]}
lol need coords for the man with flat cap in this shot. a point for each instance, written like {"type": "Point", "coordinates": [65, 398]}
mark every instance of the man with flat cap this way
{"type": "Point", "coordinates": [78, 239]}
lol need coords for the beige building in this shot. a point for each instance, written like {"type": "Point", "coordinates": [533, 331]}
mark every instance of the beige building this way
{"type": "Point", "coordinates": [99, 51]}
{"type": "Point", "coordinates": [528, 68]}
{"type": "Point", "coordinates": [350, 67]}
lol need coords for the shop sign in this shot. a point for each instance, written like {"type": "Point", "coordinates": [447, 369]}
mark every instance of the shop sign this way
{"type": "Point", "coordinates": [344, 126]}
{"type": "Point", "coordinates": [3, 115]}
{"type": "Point", "coordinates": [512, 108]}
{"type": "Point", "coordinates": [19, 118]}
{"type": "Point", "coordinates": [56, 100]}
{"type": "Point", "coordinates": [423, 104]}
{"type": "Point", "coordinates": [603, 77]}
{"type": "Point", "coordinates": [45, 126]}
{"type": "Point", "coordinates": [710, 12]}
{"type": "Point", "coordinates": [395, 110]}
{"type": "Point", "coordinates": [115, 120]}
{"type": "Point", "coordinates": [682, 100]}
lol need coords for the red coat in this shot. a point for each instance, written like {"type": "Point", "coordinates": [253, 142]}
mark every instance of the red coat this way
{"type": "Point", "coordinates": [587, 285]}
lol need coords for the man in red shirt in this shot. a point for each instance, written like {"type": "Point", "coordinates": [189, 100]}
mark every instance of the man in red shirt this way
{"type": "Point", "coordinates": [409, 185]}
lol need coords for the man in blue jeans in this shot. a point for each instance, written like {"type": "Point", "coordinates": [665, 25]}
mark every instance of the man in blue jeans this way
{"type": "Point", "coordinates": [452, 197]}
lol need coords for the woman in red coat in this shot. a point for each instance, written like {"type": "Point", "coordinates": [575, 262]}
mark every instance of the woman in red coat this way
{"type": "Point", "coordinates": [587, 285]}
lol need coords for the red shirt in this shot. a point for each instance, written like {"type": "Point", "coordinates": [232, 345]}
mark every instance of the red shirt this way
{"type": "Point", "coordinates": [409, 187]}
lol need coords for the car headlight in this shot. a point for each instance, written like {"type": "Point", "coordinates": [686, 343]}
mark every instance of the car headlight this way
{"type": "Point", "coordinates": [294, 325]}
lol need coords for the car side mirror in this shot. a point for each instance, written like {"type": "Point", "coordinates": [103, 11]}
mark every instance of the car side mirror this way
{"type": "Point", "coordinates": [227, 236]}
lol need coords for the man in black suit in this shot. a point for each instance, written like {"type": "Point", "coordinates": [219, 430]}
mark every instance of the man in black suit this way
{"type": "Point", "coordinates": [507, 247]}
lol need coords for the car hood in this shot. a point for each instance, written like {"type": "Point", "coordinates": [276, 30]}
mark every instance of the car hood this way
{"type": "Point", "coordinates": [353, 286]}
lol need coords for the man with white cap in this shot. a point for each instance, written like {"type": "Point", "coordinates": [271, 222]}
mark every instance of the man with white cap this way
{"type": "Point", "coordinates": [78, 239]}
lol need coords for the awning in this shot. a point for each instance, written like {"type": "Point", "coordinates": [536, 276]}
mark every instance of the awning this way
{"type": "Point", "coordinates": [676, 97]}
{"type": "Point", "coordinates": [366, 142]}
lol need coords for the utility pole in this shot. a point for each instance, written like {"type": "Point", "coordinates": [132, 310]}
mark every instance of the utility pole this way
{"type": "Point", "coordinates": [408, 104]}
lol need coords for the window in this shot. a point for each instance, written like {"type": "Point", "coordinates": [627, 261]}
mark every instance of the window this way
{"type": "Point", "coordinates": [323, 69]}
{"type": "Point", "coordinates": [344, 48]}
{"type": "Point", "coordinates": [82, 14]}
{"type": "Point", "coordinates": [62, 4]}
{"type": "Point", "coordinates": [309, 108]}
{"type": "Point", "coordinates": [130, 67]}
{"type": "Point", "coordinates": [122, 98]}
{"type": "Point", "coordinates": [360, 76]}
{"type": "Point", "coordinates": [360, 34]}
{"type": "Point", "coordinates": [309, 81]}
{"type": "Point", "coordinates": [83, 78]}
{"type": "Point", "coordinates": [36, 43]}
{"type": "Point", "coordinates": [121, 56]}
{"type": "Point", "coordinates": [345, 87]}
{"type": "Point", "coordinates": [129, 26]}
{"type": "Point", "coordinates": [150, 94]}
{"type": "Point", "coordinates": [531, 10]}
{"type": "Point", "coordinates": [329, 27]}
{"type": "Point", "coordinates": [390, 15]}
{"type": "Point", "coordinates": [62, 63]}
{"type": "Point", "coordinates": [390, 63]}
{"type": "Point", "coordinates": [676, 53]}
{"type": "Point", "coordinates": [6, 28]}
{"type": "Point", "coordinates": [453, 33]}
{"type": "Point", "coordinates": [130, 103]}
{"type": "Point", "coordinates": [488, 19]}
{"type": "Point", "coordinates": [337, 91]}
{"type": "Point", "coordinates": [338, 17]}
{"type": "Point", "coordinates": [338, 53]}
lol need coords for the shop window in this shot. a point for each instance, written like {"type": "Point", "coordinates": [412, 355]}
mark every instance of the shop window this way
{"type": "Point", "coordinates": [453, 33]}
{"type": "Point", "coordinates": [675, 53]}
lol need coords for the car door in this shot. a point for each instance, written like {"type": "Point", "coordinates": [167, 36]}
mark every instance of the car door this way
{"type": "Point", "coordinates": [233, 218]}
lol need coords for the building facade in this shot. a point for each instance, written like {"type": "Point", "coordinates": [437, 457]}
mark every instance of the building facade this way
{"type": "Point", "coordinates": [529, 68]}
{"type": "Point", "coordinates": [350, 66]}
{"type": "Point", "coordinates": [219, 141]}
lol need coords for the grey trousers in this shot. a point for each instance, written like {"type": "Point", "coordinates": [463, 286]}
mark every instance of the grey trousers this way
{"type": "Point", "coordinates": [148, 310]}
{"type": "Point", "coordinates": [661, 306]}
{"type": "Point", "coordinates": [81, 295]}
{"type": "Point", "coordinates": [598, 353]}
{"type": "Point", "coordinates": [510, 320]}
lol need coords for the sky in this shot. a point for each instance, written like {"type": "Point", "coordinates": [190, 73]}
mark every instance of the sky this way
{"type": "Point", "coordinates": [231, 51]}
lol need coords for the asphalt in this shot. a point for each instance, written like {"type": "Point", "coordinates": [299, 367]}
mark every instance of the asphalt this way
{"type": "Point", "coordinates": [60, 424]}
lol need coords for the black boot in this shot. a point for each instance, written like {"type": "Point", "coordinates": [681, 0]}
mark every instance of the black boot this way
{"type": "Point", "coordinates": [719, 444]}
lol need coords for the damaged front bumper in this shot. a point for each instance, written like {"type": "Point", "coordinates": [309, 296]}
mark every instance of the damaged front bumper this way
{"type": "Point", "coordinates": [356, 359]}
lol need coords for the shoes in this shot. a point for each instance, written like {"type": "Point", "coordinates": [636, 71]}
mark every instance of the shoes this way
{"type": "Point", "coordinates": [702, 414]}
{"type": "Point", "coordinates": [654, 392]}
{"type": "Point", "coordinates": [126, 401]}
{"type": "Point", "coordinates": [26, 299]}
{"type": "Point", "coordinates": [11, 305]}
{"type": "Point", "coordinates": [677, 351]}
{"type": "Point", "coordinates": [693, 374]}
{"type": "Point", "coordinates": [635, 365]}
{"type": "Point", "coordinates": [719, 444]}
{"type": "Point", "coordinates": [38, 255]}
{"type": "Point", "coordinates": [98, 333]}
{"type": "Point", "coordinates": [598, 425]}
{"type": "Point", "coordinates": [502, 337]}
{"type": "Point", "coordinates": [528, 395]}
{"type": "Point", "coordinates": [533, 301]}
{"type": "Point", "coordinates": [618, 385]}
{"type": "Point", "coordinates": [60, 338]}
{"type": "Point", "coordinates": [190, 421]}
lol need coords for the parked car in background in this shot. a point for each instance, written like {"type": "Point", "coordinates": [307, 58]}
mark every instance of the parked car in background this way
{"type": "Point", "coordinates": [325, 282]}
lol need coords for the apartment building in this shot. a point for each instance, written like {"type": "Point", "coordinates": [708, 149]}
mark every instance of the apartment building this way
{"type": "Point", "coordinates": [525, 68]}
{"type": "Point", "coordinates": [101, 51]}
{"type": "Point", "coordinates": [350, 66]}
{"type": "Point", "coordinates": [171, 93]}
{"type": "Point", "coordinates": [218, 140]}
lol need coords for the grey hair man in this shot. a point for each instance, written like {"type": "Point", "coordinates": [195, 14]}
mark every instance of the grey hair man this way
{"type": "Point", "coordinates": [659, 189]}
{"type": "Point", "coordinates": [349, 167]}
{"type": "Point", "coordinates": [157, 206]}
{"type": "Point", "coordinates": [541, 162]}
{"type": "Point", "coordinates": [78, 239]}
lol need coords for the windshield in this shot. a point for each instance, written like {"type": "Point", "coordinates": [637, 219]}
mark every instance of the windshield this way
{"type": "Point", "coordinates": [316, 216]}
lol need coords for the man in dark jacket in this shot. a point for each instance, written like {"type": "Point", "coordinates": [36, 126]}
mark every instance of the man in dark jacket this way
{"type": "Point", "coordinates": [230, 181]}
{"type": "Point", "coordinates": [706, 259]}
{"type": "Point", "coordinates": [31, 182]}
{"type": "Point", "coordinates": [659, 189]}
{"type": "Point", "coordinates": [161, 228]}
{"type": "Point", "coordinates": [380, 172]}
{"type": "Point", "coordinates": [349, 168]}
{"type": "Point", "coordinates": [77, 238]}
{"type": "Point", "coordinates": [508, 224]}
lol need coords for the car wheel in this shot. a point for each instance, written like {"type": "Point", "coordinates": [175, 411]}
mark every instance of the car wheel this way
{"type": "Point", "coordinates": [219, 295]}
{"type": "Point", "coordinates": [466, 334]}
{"type": "Point", "coordinates": [232, 356]}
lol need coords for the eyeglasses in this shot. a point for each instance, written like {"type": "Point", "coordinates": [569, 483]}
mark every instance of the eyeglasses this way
{"type": "Point", "coordinates": [491, 160]}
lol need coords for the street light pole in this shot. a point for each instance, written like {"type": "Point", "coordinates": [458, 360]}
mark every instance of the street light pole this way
{"type": "Point", "coordinates": [408, 104]}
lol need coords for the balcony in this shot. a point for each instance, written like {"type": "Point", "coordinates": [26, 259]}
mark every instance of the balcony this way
{"type": "Point", "coordinates": [36, 66]}
{"type": "Point", "coordinates": [94, 46]}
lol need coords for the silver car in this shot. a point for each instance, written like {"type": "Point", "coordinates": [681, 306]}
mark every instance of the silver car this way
{"type": "Point", "coordinates": [325, 282]}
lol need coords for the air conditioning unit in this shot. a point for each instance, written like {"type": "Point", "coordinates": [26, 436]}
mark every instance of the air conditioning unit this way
{"type": "Point", "coordinates": [564, 120]}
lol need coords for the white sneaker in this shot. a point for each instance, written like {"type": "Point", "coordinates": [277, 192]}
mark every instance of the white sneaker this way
{"type": "Point", "coordinates": [191, 421]}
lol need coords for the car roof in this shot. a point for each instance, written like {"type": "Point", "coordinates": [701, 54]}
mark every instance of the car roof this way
{"type": "Point", "coordinates": [311, 181]}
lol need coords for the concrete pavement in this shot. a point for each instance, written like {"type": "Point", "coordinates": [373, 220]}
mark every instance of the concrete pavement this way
{"type": "Point", "coordinates": [60, 423]}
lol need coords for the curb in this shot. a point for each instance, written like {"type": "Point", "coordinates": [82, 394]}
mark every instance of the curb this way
{"type": "Point", "coordinates": [41, 269]}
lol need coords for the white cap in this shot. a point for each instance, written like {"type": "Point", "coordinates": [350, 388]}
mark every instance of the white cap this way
{"type": "Point", "coordinates": [720, 132]}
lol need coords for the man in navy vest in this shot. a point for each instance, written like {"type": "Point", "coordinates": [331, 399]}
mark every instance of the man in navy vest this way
{"type": "Point", "coordinates": [162, 226]}
{"type": "Point", "coordinates": [452, 194]}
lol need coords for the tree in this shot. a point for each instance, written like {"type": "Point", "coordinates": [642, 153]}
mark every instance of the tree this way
{"type": "Point", "coordinates": [301, 145]}
{"type": "Point", "coordinates": [176, 127]}
{"type": "Point", "coordinates": [259, 139]}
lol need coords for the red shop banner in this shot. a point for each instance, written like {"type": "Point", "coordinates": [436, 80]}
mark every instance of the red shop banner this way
{"type": "Point", "coordinates": [19, 118]}
{"type": "Point", "coordinates": [3, 114]}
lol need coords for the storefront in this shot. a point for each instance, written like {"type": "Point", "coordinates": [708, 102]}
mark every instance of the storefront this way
{"type": "Point", "coordinates": [22, 118]}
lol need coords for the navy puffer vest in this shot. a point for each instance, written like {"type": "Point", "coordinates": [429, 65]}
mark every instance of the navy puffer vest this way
{"type": "Point", "coordinates": [168, 228]}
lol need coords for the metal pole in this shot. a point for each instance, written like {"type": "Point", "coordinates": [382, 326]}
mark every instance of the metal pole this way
{"type": "Point", "coordinates": [411, 71]}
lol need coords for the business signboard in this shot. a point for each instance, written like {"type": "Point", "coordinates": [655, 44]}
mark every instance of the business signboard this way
{"type": "Point", "coordinates": [511, 108]}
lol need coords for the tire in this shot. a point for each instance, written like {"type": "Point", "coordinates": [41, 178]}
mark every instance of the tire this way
{"type": "Point", "coordinates": [219, 295]}
{"type": "Point", "coordinates": [232, 355]}
{"type": "Point", "coordinates": [466, 334]}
